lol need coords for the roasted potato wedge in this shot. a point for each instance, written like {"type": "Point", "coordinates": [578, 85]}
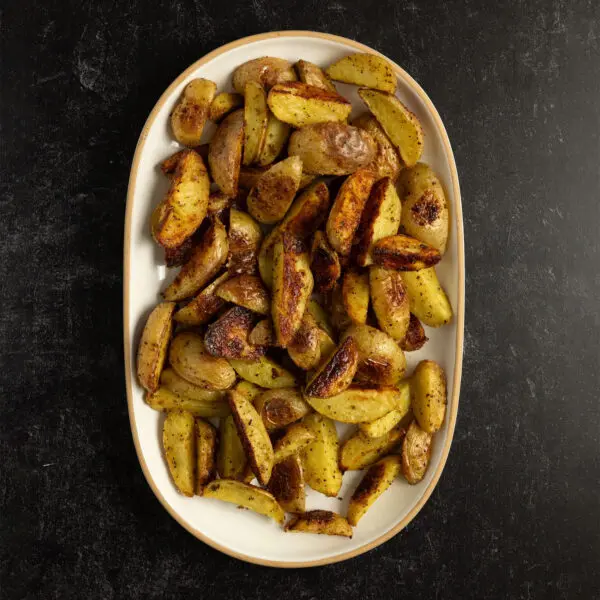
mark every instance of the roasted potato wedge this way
{"type": "Point", "coordinates": [387, 422]}
{"type": "Point", "coordinates": [311, 74]}
{"type": "Point", "coordinates": [400, 125]}
{"type": "Point", "coordinates": [321, 317]}
{"type": "Point", "coordinates": [355, 295]}
{"type": "Point", "coordinates": [264, 372]}
{"type": "Point", "coordinates": [404, 253]}
{"type": "Point", "coordinates": [366, 70]}
{"type": "Point", "coordinates": [345, 215]}
{"type": "Point", "coordinates": [165, 400]}
{"type": "Point", "coordinates": [274, 192]}
{"type": "Point", "coordinates": [332, 148]}
{"type": "Point", "coordinates": [223, 104]}
{"type": "Point", "coordinates": [190, 360]}
{"type": "Point", "coordinates": [387, 161]}
{"type": "Point", "coordinates": [337, 311]}
{"type": "Point", "coordinates": [292, 287]}
{"type": "Point", "coordinates": [249, 177]}
{"type": "Point", "coordinates": [225, 152]}
{"type": "Point", "coordinates": [179, 386]}
{"type": "Point", "coordinates": [184, 207]}
{"type": "Point", "coordinates": [190, 115]}
{"type": "Point", "coordinates": [276, 137]}
{"type": "Point", "coordinates": [203, 306]}
{"type": "Point", "coordinates": [262, 334]}
{"type": "Point", "coordinates": [294, 441]}
{"type": "Point", "coordinates": [305, 347]}
{"type": "Point", "coordinates": [219, 205]}
{"type": "Point", "coordinates": [231, 457]}
{"type": "Point", "coordinates": [281, 407]}
{"type": "Point", "coordinates": [205, 261]}
{"type": "Point", "coordinates": [179, 442]}
{"type": "Point", "coordinates": [380, 218]}
{"type": "Point", "coordinates": [227, 337]}
{"type": "Point", "coordinates": [390, 301]}
{"type": "Point", "coordinates": [429, 395]}
{"type": "Point", "coordinates": [415, 336]}
{"type": "Point", "coordinates": [323, 522]}
{"type": "Point", "coordinates": [427, 299]}
{"type": "Point", "coordinates": [324, 263]}
{"type": "Point", "coordinates": [256, 116]}
{"type": "Point", "coordinates": [320, 458]}
{"type": "Point", "coordinates": [287, 484]}
{"type": "Point", "coordinates": [248, 390]}
{"type": "Point", "coordinates": [247, 291]}
{"type": "Point", "coordinates": [246, 495]}
{"type": "Point", "coordinates": [360, 451]}
{"type": "Point", "coordinates": [426, 214]}
{"type": "Point", "coordinates": [245, 238]}
{"type": "Point", "coordinates": [152, 350]}
{"type": "Point", "coordinates": [178, 256]}
{"type": "Point", "coordinates": [206, 454]}
{"type": "Point", "coordinates": [416, 453]}
{"type": "Point", "coordinates": [267, 71]}
{"type": "Point", "coordinates": [376, 480]}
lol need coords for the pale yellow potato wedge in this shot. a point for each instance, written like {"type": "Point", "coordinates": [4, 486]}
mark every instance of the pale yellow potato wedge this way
{"type": "Point", "coordinates": [190, 115]}
{"type": "Point", "coordinates": [427, 298]}
{"type": "Point", "coordinates": [324, 263]}
{"type": "Point", "coordinates": [256, 116]}
{"type": "Point", "coordinates": [281, 407]}
{"type": "Point", "coordinates": [404, 253]}
{"type": "Point", "coordinates": [355, 295]}
{"type": "Point", "coordinates": [326, 344]}
{"type": "Point", "coordinates": [415, 336]}
{"type": "Point", "coordinates": [416, 453]}
{"type": "Point", "coordinates": [245, 238]}
{"type": "Point", "coordinates": [179, 443]}
{"type": "Point", "coordinates": [263, 334]}
{"type": "Point", "coordinates": [264, 372]}
{"type": "Point", "coordinates": [323, 522]}
{"type": "Point", "coordinates": [247, 291]}
{"type": "Point", "coordinates": [287, 484]}
{"type": "Point", "coordinates": [165, 400]}
{"type": "Point", "coordinates": [294, 441]}
{"type": "Point", "coordinates": [203, 306]}
{"type": "Point", "coordinates": [248, 390]}
{"type": "Point", "coordinates": [231, 457]}
{"type": "Point", "coordinates": [387, 422]}
{"type": "Point", "coordinates": [276, 137]}
{"type": "Point", "coordinates": [223, 104]}
{"type": "Point", "coordinates": [225, 152]}
{"type": "Point", "coordinates": [390, 302]}
{"type": "Point", "coordinates": [267, 70]}
{"type": "Point", "coordinates": [305, 347]}
{"type": "Point", "coordinates": [321, 317]}
{"type": "Point", "coordinates": [387, 161]}
{"type": "Point", "coordinates": [366, 70]}
{"type": "Point", "coordinates": [173, 382]}
{"type": "Point", "coordinates": [429, 396]}
{"type": "Point", "coordinates": [360, 451]}
{"type": "Point", "coordinates": [227, 337]}
{"type": "Point", "coordinates": [311, 74]}
{"type": "Point", "coordinates": [206, 454]}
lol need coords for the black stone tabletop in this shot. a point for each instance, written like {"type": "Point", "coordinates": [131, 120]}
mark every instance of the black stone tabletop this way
{"type": "Point", "coordinates": [516, 513]}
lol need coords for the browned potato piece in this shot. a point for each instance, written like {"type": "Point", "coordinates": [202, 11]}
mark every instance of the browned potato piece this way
{"type": "Point", "coordinates": [380, 218]}
{"type": "Point", "coordinates": [225, 152]}
{"type": "Point", "coordinates": [189, 116]}
{"type": "Point", "coordinates": [310, 74]}
{"type": "Point", "coordinates": [204, 306]}
{"type": "Point", "coordinates": [355, 295]}
{"type": "Point", "coordinates": [165, 400]}
{"type": "Point", "coordinates": [324, 263]}
{"type": "Point", "coordinates": [360, 451]}
{"type": "Point", "coordinates": [249, 177]}
{"type": "Point", "coordinates": [337, 311]}
{"type": "Point", "coordinates": [256, 115]}
{"type": "Point", "coordinates": [264, 372]}
{"type": "Point", "coordinates": [179, 443]}
{"type": "Point", "coordinates": [321, 317]}
{"type": "Point", "coordinates": [245, 238]}
{"type": "Point", "coordinates": [324, 522]}
{"type": "Point", "coordinates": [267, 71]}
{"type": "Point", "coordinates": [262, 334]}
{"type": "Point", "coordinates": [368, 70]}
{"type": "Point", "coordinates": [347, 209]}
{"type": "Point", "coordinates": [247, 291]}
{"type": "Point", "coordinates": [415, 336]}
{"type": "Point", "coordinates": [281, 407]}
{"type": "Point", "coordinates": [295, 439]}
{"type": "Point", "coordinates": [387, 162]}
{"type": "Point", "coordinates": [332, 148]}
{"type": "Point", "coordinates": [335, 375]}
{"type": "Point", "coordinates": [206, 260]}
{"type": "Point", "coordinates": [292, 287]}
{"type": "Point", "coordinates": [276, 137]}
{"type": "Point", "coordinates": [206, 454]}
{"type": "Point", "coordinates": [428, 300]}
{"type": "Point", "coordinates": [223, 104]}
{"type": "Point", "coordinates": [218, 204]}
{"type": "Point", "coordinates": [227, 337]}
{"type": "Point", "coordinates": [181, 387]}
{"type": "Point", "coordinates": [231, 458]}
{"type": "Point", "coordinates": [387, 422]}
{"type": "Point", "coordinates": [416, 453]}
{"type": "Point", "coordinates": [287, 484]}
{"type": "Point", "coordinates": [404, 253]}
{"type": "Point", "coordinates": [169, 165]}
{"type": "Point", "coordinates": [184, 207]}
{"type": "Point", "coordinates": [429, 396]}
{"type": "Point", "coordinates": [390, 301]}
{"type": "Point", "coordinates": [152, 350]}
{"type": "Point", "coordinates": [305, 347]}
{"type": "Point", "coordinates": [178, 256]}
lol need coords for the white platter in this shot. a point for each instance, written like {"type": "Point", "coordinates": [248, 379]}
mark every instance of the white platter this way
{"type": "Point", "coordinates": [223, 526]}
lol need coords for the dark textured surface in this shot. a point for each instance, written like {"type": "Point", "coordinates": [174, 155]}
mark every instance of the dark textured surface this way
{"type": "Point", "coordinates": [516, 513]}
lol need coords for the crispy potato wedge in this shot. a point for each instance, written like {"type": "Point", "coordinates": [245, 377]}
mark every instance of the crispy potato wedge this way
{"type": "Point", "coordinates": [416, 453]}
{"type": "Point", "coordinates": [190, 360]}
{"type": "Point", "coordinates": [264, 372]}
{"type": "Point", "coordinates": [276, 137]}
{"type": "Point", "coordinates": [320, 458]}
{"type": "Point", "coordinates": [404, 253]}
{"type": "Point", "coordinates": [323, 522]}
{"type": "Point", "coordinates": [360, 451]}
{"type": "Point", "coordinates": [262, 334]}
{"type": "Point", "coordinates": [190, 115]}
{"type": "Point", "coordinates": [380, 360]}
{"type": "Point", "coordinates": [426, 214]}
{"type": "Point", "coordinates": [294, 441]}
{"type": "Point", "coordinates": [231, 457]}
{"type": "Point", "coordinates": [267, 71]}
{"type": "Point", "coordinates": [227, 337]}
{"type": "Point", "coordinates": [355, 295]}
{"type": "Point", "coordinates": [178, 256]}
{"type": "Point", "coordinates": [292, 287]}
{"type": "Point", "coordinates": [246, 495]}
{"type": "Point", "coordinates": [247, 291]}
{"type": "Point", "coordinates": [387, 422]}
{"type": "Point", "coordinates": [380, 218]}
{"type": "Point", "coordinates": [253, 434]}
{"type": "Point", "coordinates": [179, 443]}
{"type": "Point", "coordinates": [250, 391]}
{"type": "Point", "coordinates": [169, 165]}
{"type": "Point", "coordinates": [179, 386]}
{"type": "Point", "coordinates": [152, 350]}
{"type": "Point", "coordinates": [366, 70]}
{"type": "Point", "coordinates": [245, 238]}
{"type": "Point", "coordinates": [274, 192]}
{"type": "Point", "coordinates": [225, 152]}
{"type": "Point", "coordinates": [205, 261]}
{"type": "Point", "coordinates": [326, 344]}
{"type": "Point", "coordinates": [203, 306]}
{"type": "Point", "coordinates": [336, 374]}
{"type": "Point", "coordinates": [223, 104]}
{"type": "Point", "coordinates": [206, 454]}
{"type": "Point", "coordinates": [376, 480]}
{"type": "Point", "coordinates": [324, 263]}
{"type": "Point", "coordinates": [219, 204]}
{"type": "Point", "coordinates": [165, 400]}
{"type": "Point", "coordinates": [400, 125]}
{"type": "Point", "coordinates": [287, 484]}
{"type": "Point", "coordinates": [313, 75]}
{"type": "Point", "coordinates": [429, 396]}
{"type": "Point", "coordinates": [427, 298]}
{"type": "Point", "coordinates": [390, 301]}
{"type": "Point", "coordinates": [299, 104]}
{"type": "Point", "coordinates": [415, 336]}
{"type": "Point", "coordinates": [332, 148]}
{"type": "Point", "coordinates": [256, 116]}
{"type": "Point", "coordinates": [345, 215]}
{"type": "Point", "coordinates": [184, 207]}
{"type": "Point", "coordinates": [249, 177]}
{"type": "Point", "coordinates": [282, 407]}
{"type": "Point", "coordinates": [305, 347]}
{"type": "Point", "coordinates": [387, 161]}
{"type": "Point", "coordinates": [321, 317]}
{"type": "Point", "coordinates": [337, 311]}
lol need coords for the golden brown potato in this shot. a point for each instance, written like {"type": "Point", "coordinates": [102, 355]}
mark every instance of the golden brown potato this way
{"type": "Point", "coordinates": [428, 300]}
{"type": "Point", "coordinates": [225, 152]}
{"type": "Point", "coordinates": [367, 70]}
{"type": "Point", "coordinates": [223, 104]}
{"type": "Point", "coordinates": [248, 390]}
{"type": "Point", "coordinates": [185, 390]}
{"type": "Point", "coordinates": [324, 263]}
{"type": "Point", "coordinates": [380, 218]}
{"type": "Point", "coordinates": [179, 443]}
{"type": "Point", "coordinates": [332, 148]}
{"type": "Point", "coordinates": [400, 125]}
{"type": "Point", "coordinates": [387, 422]}
{"type": "Point", "coordinates": [387, 162]}
{"type": "Point", "coordinates": [190, 115]}
{"type": "Point", "coordinates": [310, 74]}
{"type": "Point", "coordinates": [245, 238]}
{"type": "Point", "coordinates": [262, 334]}
{"type": "Point", "coordinates": [227, 337]}
{"type": "Point", "coordinates": [152, 350]}
{"type": "Point", "coordinates": [264, 372]}
{"type": "Point", "coordinates": [376, 480]}
{"type": "Point", "coordinates": [305, 347]}
{"type": "Point", "coordinates": [274, 192]}
{"type": "Point", "coordinates": [247, 291]}
{"type": "Point", "coordinates": [165, 400]}
{"type": "Point", "coordinates": [206, 449]}
{"type": "Point", "coordinates": [231, 458]}
{"type": "Point", "coordinates": [416, 453]}
{"type": "Point", "coordinates": [205, 261]}
{"type": "Point", "coordinates": [178, 256]}
{"type": "Point", "coordinates": [415, 336]}
{"type": "Point", "coordinates": [347, 209]}
{"type": "Point", "coordinates": [219, 204]}
{"type": "Point", "coordinates": [190, 360]}
{"type": "Point", "coordinates": [256, 116]}
{"type": "Point", "coordinates": [390, 301]}
{"type": "Point", "coordinates": [276, 137]}
{"type": "Point", "coordinates": [429, 395]}
{"type": "Point", "coordinates": [404, 253]}
{"type": "Point", "coordinates": [292, 287]}
{"type": "Point", "coordinates": [336, 374]}
{"type": "Point", "coordinates": [295, 439]}
{"type": "Point", "coordinates": [282, 407]}
{"type": "Point", "coordinates": [321, 317]}
{"type": "Point", "coordinates": [355, 295]}
{"type": "Point", "coordinates": [360, 451]}
{"type": "Point", "coordinates": [267, 71]}
{"type": "Point", "coordinates": [337, 312]}
{"type": "Point", "coordinates": [184, 207]}
{"type": "Point", "coordinates": [324, 522]}
{"type": "Point", "coordinates": [287, 484]}
{"type": "Point", "coordinates": [203, 306]}
{"type": "Point", "coordinates": [249, 177]}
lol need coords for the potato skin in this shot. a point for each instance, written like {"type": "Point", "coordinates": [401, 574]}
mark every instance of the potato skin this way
{"type": "Point", "coordinates": [324, 522]}
{"type": "Point", "coordinates": [203, 306]}
{"type": "Point", "coordinates": [390, 301]}
{"type": "Point", "coordinates": [244, 238]}
{"type": "Point", "coordinates": [179, 443]}
{"type": "Point", "coordinates": [206, 459]}
{"type": "Point", "coordinates": [429, 396]}
{"type": "Point", "coordinates": [311, 74]}
{"type": "Point", "coordinates": [189, 116]}
{"type": "Point", "coordinates": [164, 400]}
{"type": "Point", "coordinates": [387, 162]}
{"type": "Point", "coordinates": [428, 300]}
{"type": "Point", "coordinates": [287, 484]}
{"type": "Point", "coordinates": [256, 117]}
{"type": "Point", "coordinates": [227, 337]}
{"type": "Point", "coordinates": [225, 152]}
{"type": "Point", "coordinates": [404, 253]}
{"type": "Point", "coordinates": [368, 70]}
{"type": "Point", "coordinates": [324, 263]}
{"type": "Point", "coordinates": [282, 407]}
{"type": "Point", "coordinates": [355, 295]}
{"type": "Point", "coordinates": [267, 71]}
{"type": "Point", "coordinates": [276, 137]}
{"type": "Point", "coordinates": [416, 453]}
{"type": "Point", "coordinates": [231, 457]}
{"type": "Point", "coordinates": [263, 372]}
{"type": "Point", "coordinates": [305, 348]}
{"type": "Point", "coordinates": [415, 336]}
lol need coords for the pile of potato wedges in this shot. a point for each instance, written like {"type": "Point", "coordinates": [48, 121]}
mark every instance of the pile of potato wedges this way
{"type": "Point", "coordinates": [307, 248]}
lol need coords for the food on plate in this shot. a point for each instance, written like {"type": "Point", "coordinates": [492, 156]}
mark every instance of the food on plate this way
{"type": "Point", "coordinates": [429, 395]}
{"type": "Point", "coordinates": [360, 451]}
{"type": "Point", "coordinates": [311, 74]}
{"type": "Point", "coordinates": [287, 484]}
{"type": "Point", "coordinates": [164, 400]}
{"type": "Point", "coordinates": [404, 253]}
{"type": "Point", "coordinates": [367, 70]}
{"type": "Point", "coordinates": [244, 239]}
{"type": "Point", "coordinates": [225, 152]}
{"type": "Point", "coordinates": [427, 298]}
{"type": "Point", "coordinates": [267, 71]}
{"type": "Point", "coordinates": [355, 295]}
{"type": "Point", "coordinates": [227, 337]}
{"type": "Point", "coordinates": [416, 453]}
{"type": "Point", "coordinates": [390, 302]}
{"type": "Point", "coordinates": [250, 175]}
{"type": "Point", "coordinates": [178, 256]}
{"type": "Point", "coordinates": [256, 116]}
{"type": "Point", "coordinates": [205, 305]}
{"type": "Point", "coordinates": [305, 347]}
{"type": "Point", "coordinates": [336, 374]}
{"type": "Point", "coordinates": [276, 137]}
{"type": "Point", "coordinates": [262, 334]}
{"type": "Point", "coordinates": [324, 263]}
{"type": "Point", "coordinates": [281, 407]}
{"type": "Point", "coordinates": [173, 382]}
{"type": "Point", "coordinates": [223, 104]}
{"type": "Point", "coordinates": [337, 311]}
{"type": "Point", "coordinates": [248, 390]}
{"type": "Point", "coordinates": [320, 316]}
{"type": "Point", "coordinates": [189, 116]}
{"type": "Point", "coordinates": [264, 372]}
{"type": "Point", "coordinates": [231, 457]}
{"type": "Point", "coordinates": [179, 442]}
{"type": "Point", "coordinates": [206, 454]}
{"type": "Point", "coordinates": [387, 422]}
{"type": "Point", "coordinates": [415, 336]}
{"type": "Point", "coordinates": [294, 440]}
{"type": "Point", "coordinates": [324, 522]}
{"type": "Point", "coordinates": [247, 291]}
